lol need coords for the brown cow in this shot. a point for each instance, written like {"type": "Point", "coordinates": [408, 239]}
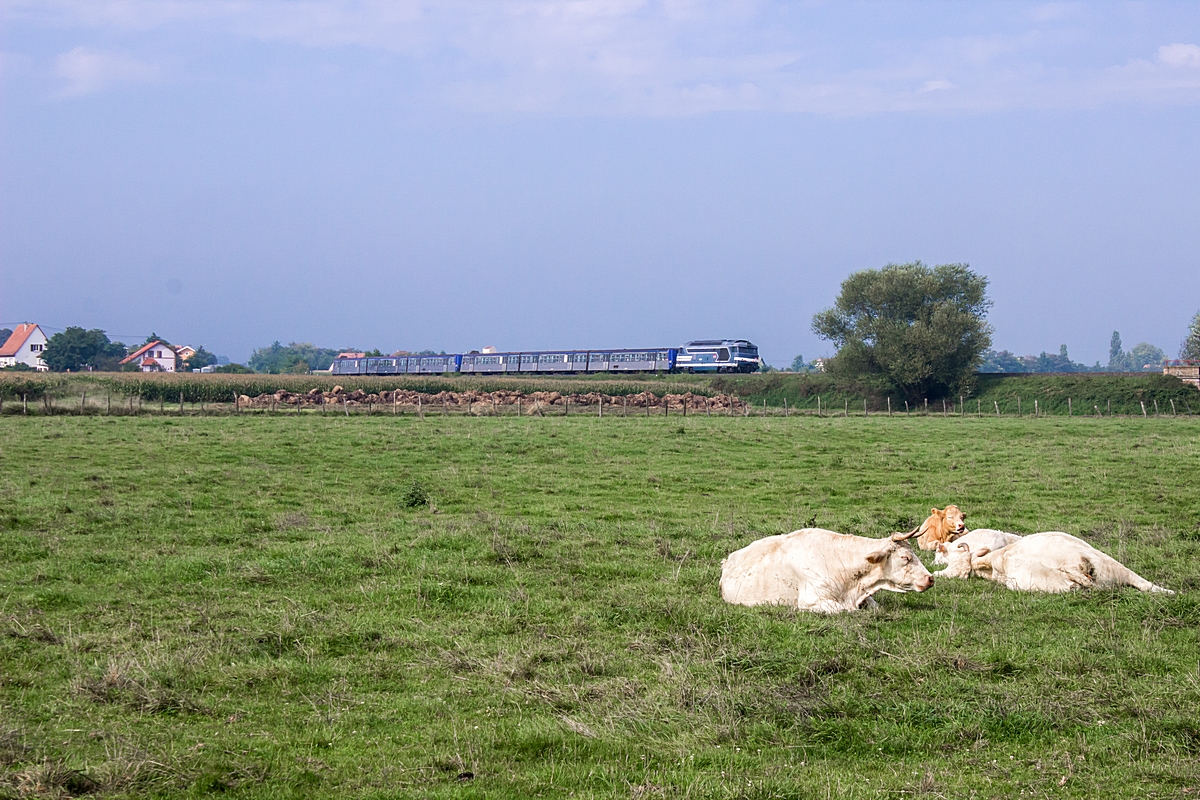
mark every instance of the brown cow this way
{"type": "Point", "coordinates": [941, 526]}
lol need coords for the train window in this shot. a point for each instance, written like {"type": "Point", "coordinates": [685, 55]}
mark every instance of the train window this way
{"type": "Point", "coordinates": [723, 354]}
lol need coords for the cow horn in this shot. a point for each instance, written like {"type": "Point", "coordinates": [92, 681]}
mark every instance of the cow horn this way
{"type": "Point", "coordinates": [900, 537]}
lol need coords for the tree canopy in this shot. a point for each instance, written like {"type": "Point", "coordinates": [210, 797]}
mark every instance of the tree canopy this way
{"type": "Point", "coordinates": [201, 358]}
{"type": "Point", "coordinates": [919, 329]}
{"type": "Point", "coordinates": [1144, 357]}
{"type": "Point", "coordinates": [301, 356]}
{"type": "Point", "coordinates": [1190, 348]}
{"type": "Point", "coordinates": [76, 349]}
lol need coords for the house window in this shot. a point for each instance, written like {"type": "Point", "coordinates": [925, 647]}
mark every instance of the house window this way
{"type": "Point", "coordinates": [35, 348]}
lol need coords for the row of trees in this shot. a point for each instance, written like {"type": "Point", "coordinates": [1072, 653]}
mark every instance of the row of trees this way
{"type": "Point", "coordinates": [922, 332]}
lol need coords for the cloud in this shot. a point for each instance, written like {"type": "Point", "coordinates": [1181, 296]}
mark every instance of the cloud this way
{"type": "Point", "coordinates": [88, 70]}
{"type": "Point", "coordinates": [936, 86]}
{"type": "Point", "coordinates": [659, 57]}
{"type": "Point", "coordinates": [1179, 55]}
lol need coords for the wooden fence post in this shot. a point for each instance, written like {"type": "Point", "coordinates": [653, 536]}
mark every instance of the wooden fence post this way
{"type": "Point", "coordinates": [236, 404]}
{"type": "Point", "coordinates": [944, 407]}
{"type": "Point", "coordinates": [1173, 414]}
{"type": "Point", "coordinates": [889, 405]}
{"type": "Point", "coordinates": [997, 405]}
{"type": "Point", "coordinates": [962, 407]}
{"type": "Point", "coordinates": [1070, 410]}
{"type": "Point", "coordinates": [600, 407]}
{"type": "Point", "coordinates": [1143, 404]}
{"type": "Point", "coordinates": [1035, 407]}
{"type": "Point", "coordinates": [1156, 406]}
{"type": "Point", "coordinates": [345, 405]}
{"type": "Point", "coordinates": [818, 405]}
{"type": "Point", "coordinates": [846, 410]}
{"type": "Point", "coordinates": [518, 405]}
{"type": "Point", "coordinates": [927, 406]}
{"type": "Point", "coordinates": [108, 405]}
{"type": "Point", "coordinates": [24, 405]}
{"type": "Point", "coordinates": [1110, 406]}
{"type": "Point", "coordinates": [978, 407]}
{"type": "Point", "coordinates": [864, 406]}
{"type": "Point", "coordinates": [785, 408]}
{"type": "Point", "coordinates": [181, 404]}
{"type": "Point", "coordinates": [906, 409]}
{"type": "Point", "coordinates": [1019, 414]}
{"type": "Point", "coordinates": [82, 404]}
{"type": "Point", "coordinates": [1098, 414]}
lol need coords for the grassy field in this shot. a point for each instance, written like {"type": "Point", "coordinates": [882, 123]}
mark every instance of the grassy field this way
{"type": "Point", "coordinates": [263, 606]}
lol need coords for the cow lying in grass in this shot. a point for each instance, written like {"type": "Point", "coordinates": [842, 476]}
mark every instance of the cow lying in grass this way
{"type": "Point", "coordinates": [1043, 562]}
{"type": "Point", "coordinates": [822, 571]}
{"type": "Point", "coordinates": [941, 526]}
{"type": "Point", "coordinates": [976, 539]}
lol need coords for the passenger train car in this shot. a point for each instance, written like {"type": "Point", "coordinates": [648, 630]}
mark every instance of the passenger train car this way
{"type": "Point", "coordinates": [724, 355]}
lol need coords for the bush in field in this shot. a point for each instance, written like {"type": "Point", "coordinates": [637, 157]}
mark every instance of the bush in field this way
{"type": "Point", "coordinates": [415, 496]}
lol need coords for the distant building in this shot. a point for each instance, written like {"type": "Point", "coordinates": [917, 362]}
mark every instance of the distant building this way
{"type": "Point", "coordinates": [153, 357]}
{"type": "Point", "coordinates": [351, 355]}
{"type": "Point", "coordinates": [25, 346]}
{"type": "Point", "coordinates": [491, 348]}
{"type": "Point", "coordinates": [819, 363]}
{"type": "Point", "coordinates": [183, 353]}
{"type": "Point", "coordinates": [1186, 370]}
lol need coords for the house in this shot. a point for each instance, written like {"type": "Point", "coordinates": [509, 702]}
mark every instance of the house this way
{"type": "Point", "coordinates": [184, 353]}
{"type": "Point", "coordinates": [153, 357]}
{"type": "Point", "coordinates": [25, 346]}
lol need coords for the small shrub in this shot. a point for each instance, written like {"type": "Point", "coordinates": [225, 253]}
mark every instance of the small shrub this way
{"type": "Point", "coordinates": [415, 496]}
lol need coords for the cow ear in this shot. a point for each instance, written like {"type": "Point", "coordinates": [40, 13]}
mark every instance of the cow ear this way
{"type": "Point", "coordinates": [933, 512]}
{"type": "Point", "coordinates": [879, 556]}
{"type": "Point", "coordinates": [983, 551]}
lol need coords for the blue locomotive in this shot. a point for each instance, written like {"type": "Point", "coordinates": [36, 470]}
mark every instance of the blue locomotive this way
{"type": "Point", "coordinates": [706, 355]}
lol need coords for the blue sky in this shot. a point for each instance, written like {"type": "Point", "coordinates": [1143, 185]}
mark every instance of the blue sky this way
{"type": "Point", "coordinates": [593, 173]}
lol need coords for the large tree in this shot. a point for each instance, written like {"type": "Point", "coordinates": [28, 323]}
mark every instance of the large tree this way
{"type": "Point", "coordinates": [1118, 360]}
{"type": "Point", "coordinates": [76, 349]}
{"type": "Point", "coordinates": [1190, 348]}
{"type": "Point", "coordinates": [919, 329]}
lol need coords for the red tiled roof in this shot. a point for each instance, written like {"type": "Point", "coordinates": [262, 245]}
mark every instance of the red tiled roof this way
{"type": "Point", "coordinates": [14, 342]}
{"type": "Point", "coordinates": [137, 353]}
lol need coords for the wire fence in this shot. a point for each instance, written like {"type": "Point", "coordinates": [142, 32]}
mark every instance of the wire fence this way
{"type": "Point", "coordinates": [508, 403]}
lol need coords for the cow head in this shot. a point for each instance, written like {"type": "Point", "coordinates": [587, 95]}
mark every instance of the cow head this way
{"type": "Point", "coordinates": [957, 558]}
{"type": "Point", "coordinates": [896, 568]}
{"type": "Point", "coordinates": [942, 525]}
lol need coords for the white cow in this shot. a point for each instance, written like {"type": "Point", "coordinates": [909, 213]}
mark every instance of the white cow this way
{"type": "Point", "coordinates": [983, 537]}
{"type": "Point", "coordinates": [1043, 562]}
{"type": "Point", "coordinates": [822, 571]}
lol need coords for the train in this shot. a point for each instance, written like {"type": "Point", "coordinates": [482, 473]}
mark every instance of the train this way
{"type": "Point", "coordinates": [702, 355]}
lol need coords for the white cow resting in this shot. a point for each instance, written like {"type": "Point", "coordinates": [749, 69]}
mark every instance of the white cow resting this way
{"type": "Point", "coordinates": [822, 571]}
{"type": "Point", "coordinates": [984, 537]}
{"type": "Point", "coordinates": [1043, 562]}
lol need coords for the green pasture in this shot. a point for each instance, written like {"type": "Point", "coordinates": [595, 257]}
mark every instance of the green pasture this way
{"type": "Point", "coordinates": [265, 606]}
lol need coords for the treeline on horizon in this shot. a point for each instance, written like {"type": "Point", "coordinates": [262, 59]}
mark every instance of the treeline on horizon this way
{"type": "Point", "coordinates": [906, 329]}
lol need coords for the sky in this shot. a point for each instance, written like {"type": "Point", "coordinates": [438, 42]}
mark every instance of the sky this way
{"type": "Point", "coordinates": [592, 173]}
